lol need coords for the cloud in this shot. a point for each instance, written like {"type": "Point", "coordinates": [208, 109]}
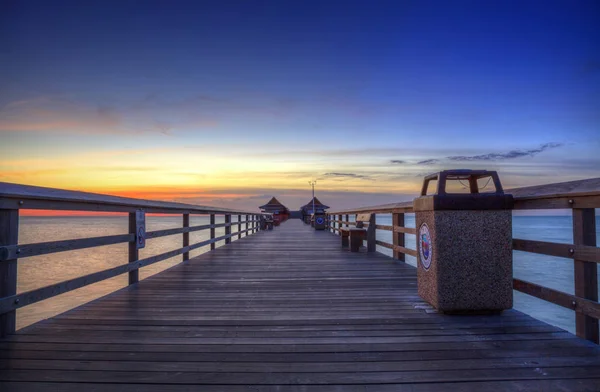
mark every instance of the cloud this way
{"type": "Point", "coordinates": [75, 116]}
{"type": "Point", "coordinates": [58, 114]}
{"type": "Point", "coordinates": [345, 175]}
{"type": "Point", "coordinates": [505, 155]}
{"type": "Point", "coordinates": [397, 161]}
{"type": "Point", "coordinates": [428, 162]}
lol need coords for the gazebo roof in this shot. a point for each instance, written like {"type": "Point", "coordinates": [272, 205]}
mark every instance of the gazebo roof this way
{"type": "Point", "coordinates": [273, 204]}
{"type": "Point", "coordinates": [318, 203]}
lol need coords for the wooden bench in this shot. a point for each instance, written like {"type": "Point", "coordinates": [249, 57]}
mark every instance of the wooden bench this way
{"type": "Point", "coordinates": [268, 222]}
{"type": "Point", "coordinates": [354, 236]}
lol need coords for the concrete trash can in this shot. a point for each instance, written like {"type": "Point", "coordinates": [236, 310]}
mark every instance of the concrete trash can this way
{"type": "Point", "coordinates": [464, 243]}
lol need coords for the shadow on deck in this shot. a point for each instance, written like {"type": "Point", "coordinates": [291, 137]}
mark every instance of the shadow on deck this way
{"type": "Point", "coordinates": [288, 310]}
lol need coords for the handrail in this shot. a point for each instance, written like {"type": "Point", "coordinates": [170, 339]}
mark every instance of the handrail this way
{"type": "Point", "coordinates": [588, 187]}
{"type": "Point", "coordinates": [581, 192]}
{"type": "Point", "coordinates": [581, 197]}
{"type": "Point", "coordinates": [14, 197]}
{"type": "Point", "coordinates": [380, 209]}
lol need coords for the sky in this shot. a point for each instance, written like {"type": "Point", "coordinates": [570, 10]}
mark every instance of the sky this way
{"type": "Point", "coordinates": [228, 103]}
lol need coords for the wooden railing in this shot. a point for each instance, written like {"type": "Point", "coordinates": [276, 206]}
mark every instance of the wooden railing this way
{"type": "Point", "coordinates": [581, 197]}
{"type": "Point", "coordinates": [15, 197]}
{"type": "Point", "coordinates": [399, 230]}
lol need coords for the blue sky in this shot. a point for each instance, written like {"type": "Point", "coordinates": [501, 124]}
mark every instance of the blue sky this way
{"type": "Point", "coordinates": [248, 98]}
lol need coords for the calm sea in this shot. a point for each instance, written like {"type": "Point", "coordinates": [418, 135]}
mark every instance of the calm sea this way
{"type": "Point", "coordinates": [40, 271]}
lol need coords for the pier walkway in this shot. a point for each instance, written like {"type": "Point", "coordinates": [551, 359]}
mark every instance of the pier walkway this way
{"type": "Point", "coordinates": [289, 310]}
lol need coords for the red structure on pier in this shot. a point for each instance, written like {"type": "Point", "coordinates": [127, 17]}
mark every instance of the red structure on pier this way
{"type": "Point", "coordinates": [279, 211]}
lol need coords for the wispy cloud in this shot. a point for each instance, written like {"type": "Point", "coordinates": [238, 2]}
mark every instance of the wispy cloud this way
{"type": "Point", "coordinates": [495, 156]}
{"type": "Point", "coordinates": [397, 161]}
{"type": "Point", "coordinates": [68, 115]}
{"type": "Point", "coordinates": [345, 175]}
{"type": "Point", "coordinates": [49, 113]}
{"type": "Point", "coordinates": [428, 162]}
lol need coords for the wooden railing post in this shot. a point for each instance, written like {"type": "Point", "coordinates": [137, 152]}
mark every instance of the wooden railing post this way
{"type": "Point", "coordinates": [228, 228]}
{"type": "Point", "coordinates": [212, 231]}
{"type": "Point", "coordinates": [347, 220]}
{"type": "Point", "coordinates": [586, 275]}
{"type": "Point", "coordinates": [246, 228]}
{"type": "Point", "coordinates": [9, 235]}
{"type": "Point", "coordinates": [186, 236]}
{"type": "Point", "coordinates": [371, 237]}
{"type": "Point", "coordinates": [340, 224]}
{"type": "Point", "coordinates": [398, 238]}
{"type": "Point", "coordinates": [239, 227]}
{"type": "Point", "coordinates": [134, 276]}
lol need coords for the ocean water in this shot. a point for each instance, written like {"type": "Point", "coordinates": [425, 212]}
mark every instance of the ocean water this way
{"type": "Point", "coordinates": [40, 271]}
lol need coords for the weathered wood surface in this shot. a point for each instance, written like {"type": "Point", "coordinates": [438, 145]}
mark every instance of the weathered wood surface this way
{"type": "Point", "coordinates": [581, 305]}
{"type": "Point", "coordinates": [380, 209]}
{"type": "Point", "coordinates": [289, 310]}
{"type": "Point", "coordinates": [579, 252]}
{"type": "Point", "coordinates": [586, 272]}
{"type": "Point", "coordinates": [9, 234]}
{"type": "Point", "coordinates": [588, 187]}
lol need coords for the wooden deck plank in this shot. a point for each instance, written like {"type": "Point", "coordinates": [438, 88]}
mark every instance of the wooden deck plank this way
{"type": "Point", "coordinates": [561, 385]}
{"type": "Point", "coordinates": [288, 310]}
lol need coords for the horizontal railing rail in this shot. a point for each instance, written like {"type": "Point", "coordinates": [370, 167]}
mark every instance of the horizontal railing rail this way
{"type": "Point", "coordinates": [581, 197]}
{"type": "Point", "coordinates": [397, 210]}
{"type": "Point", "coordinates": [14, 197]}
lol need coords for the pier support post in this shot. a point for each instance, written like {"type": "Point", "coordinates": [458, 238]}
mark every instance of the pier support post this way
{"type": "Point", "coordinates": [239, 227]}
{"type": "Point", "coordinates": [397, 237]}
{"type": "Point", "coordinates": [9, 235]}
{"type": "Point", "coordinates": [586, 273]}
{"type": "Point", "coordinates": [186, 236]}
{"type": "Point", "coordinates": [212, 231]}
{"type": "Point", "coordinates": [227, 228]}
{"type": "Point", "coordinates": [371, 234]}
{"type": "Point", "coordinates": [134, 276]}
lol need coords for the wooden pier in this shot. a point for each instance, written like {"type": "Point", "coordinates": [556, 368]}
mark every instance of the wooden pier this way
{"type": "Point", "coordinates": [285, 310]}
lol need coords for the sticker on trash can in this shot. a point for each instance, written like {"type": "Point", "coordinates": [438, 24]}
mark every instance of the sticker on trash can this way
{"type": "Point", "coordinates": [425, 246]}
{"type": "Point", "coordinates": [320, 220]}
